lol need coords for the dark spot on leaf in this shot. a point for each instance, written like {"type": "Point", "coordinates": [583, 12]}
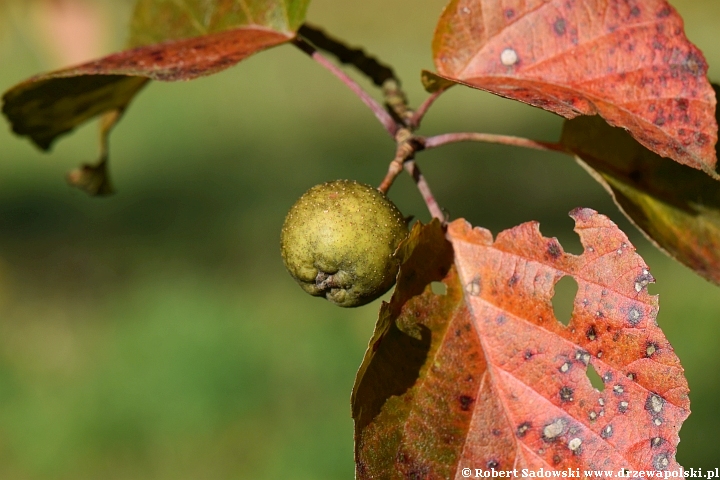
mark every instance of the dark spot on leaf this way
{"type": "Point", "coordinates": [659, 121]}
{"type": "Point", "coordinates": [606, 432]}
{"type": "Point", "coordinates": [665, 12]}
{"type": "Point", "coordinates": [522, 429]}
{"type": "Point", "coordinates": [607, 378]}
{"type": "Point", "coordinates": [635, 12]}
{"type": "Point", "coordinates": [528, 354]}
{"type": "Point", "coordinates": [500, 319]}
{"type": "Point", "coordinates": [553, 249]}
{"type": "Point", "coordinates": [559, 26]}
{"type": "Point", "coordinates": [496, 432]}
{"type": "Point", "coordinates": [701, 139]}
{"type": "Point", "coordinates": [513, 280]}
{"type": "Point", "coordinates": [566, 394]}
{"type": "Point", "coordinates": [557, 459]}
{"type": "Point", "coordinates": [465, 402]}
{"type": "Point", "coordinates": [509, 13]}
{"type": "Point", "coordinates": [694, 64]}
{"type": "Point", "coordinates": [492, 464]}
{"type": "Point", "coordinates": [591, 334]}
{"type": "Point", "coordinates": [657, 442]}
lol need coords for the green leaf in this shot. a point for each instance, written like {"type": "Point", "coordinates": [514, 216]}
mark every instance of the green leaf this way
{"type": "Point", "coordinates": [156, 21]}
{"type": "Point", "coordinates": [175, 40]}
{"type": "Point", "coordinates": [676, 207]}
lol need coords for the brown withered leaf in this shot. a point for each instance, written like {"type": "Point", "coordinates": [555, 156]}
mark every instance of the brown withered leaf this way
{"type": "Point", "coordinates": [676, 207]}
{"type": "Point", "coordinates": [484, 376]}
{"type": "Point", "coordinates": [173, 40]}
{"type": "Point", "coordinates": [626, 60]}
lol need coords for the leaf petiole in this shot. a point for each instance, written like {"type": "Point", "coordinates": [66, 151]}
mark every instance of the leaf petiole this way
{"type": "Point", "coordinates": [447, 138]}
{"type": "Point", "coordinates": [380, 113]}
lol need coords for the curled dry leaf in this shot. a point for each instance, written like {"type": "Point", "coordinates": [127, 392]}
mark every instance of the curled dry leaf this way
{"type": "Point", "coordinates": [173, 40]}
{"type": "Point", "coordinates": [484, 376]}
{"type": "Point", "coordinates": [626, 60]}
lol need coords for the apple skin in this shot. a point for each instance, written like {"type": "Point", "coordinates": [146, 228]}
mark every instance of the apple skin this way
{"type": "Point", "coordinates": [338, 242]}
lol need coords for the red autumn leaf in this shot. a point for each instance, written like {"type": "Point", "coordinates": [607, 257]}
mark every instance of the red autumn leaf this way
{"type": "Point", "coordinates": [484, 376]}
{"type": "Point", "coordinates": [626, 60]}
{"type": "Point", "coordinates": [174, 41]}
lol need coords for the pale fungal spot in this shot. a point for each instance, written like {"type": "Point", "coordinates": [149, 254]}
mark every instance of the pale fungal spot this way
{"type": "Point", "coordinates": [574, 444]}
{"type": "Point", "coordinates": [631, 376]}
{"type": "Point", "coordinates": [657, 421]}
{"type": "Point", "coordinates": [509, 57]}
{"type": "Point", "coordinates": [554, 429]}
{"type": "Point", "coordinates": [654, 403]}
{"type": "Point", "coordinates": [602, 413]}
{"type": "Point", "coordinates": [619, 252]}
{"type": "Point", "coordinates": [593, 415]}
{"type": "Point", "coordinates": [591, 249]}
{"type": "Point", "coordinates": [586, 358]}
{"type": "Point", "coordinates": [656, 442]}
{"type": "Point", "coordinates": [522, 429]}
{"type": "Point", "coordinates": [565, 367]}
{"type": "Point", "coordinates": [618, 389]}
{"type": "Point", "coordinates": [623, 407]}
{"type": "Point", "coordinates": [651, 349]}
{"type": "Point", "coordinates": [465, 10]}
{"type": "Point", "coordinates": [661, 462]}
{"type": "Point", "coordinates": [599, 354]}
{"type": "Point", "coordinates": [473, 288]}
{"type": "Point", "coordinates": [601, 402]}
{"type": "Point", "coordinates": [634, 316]}
{"type": "Point", "coordinates": [607, 432]}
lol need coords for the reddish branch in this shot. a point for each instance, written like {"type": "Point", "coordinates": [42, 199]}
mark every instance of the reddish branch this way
{"type": "Point", "coordinates": [439, 140]}
{"type": "Point", "coordinates": [401, 120]}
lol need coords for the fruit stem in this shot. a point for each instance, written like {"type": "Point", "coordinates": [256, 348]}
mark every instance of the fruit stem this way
{"type": "Point", "coordinates": [407, 145]}
{"type": "Point", "coordinates": [383, 116]}
{"type": "Point", "coordinates": [444, 139]}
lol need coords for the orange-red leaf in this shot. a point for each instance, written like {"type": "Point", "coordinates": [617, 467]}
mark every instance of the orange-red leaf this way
{"type": "Point", "coordinates": [627, 60]}
{"type": "Point", "coordinates": [484, 376]}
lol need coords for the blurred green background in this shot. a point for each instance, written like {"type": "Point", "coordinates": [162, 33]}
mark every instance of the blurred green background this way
{"type": "Point", "coordinates": [155, 334]}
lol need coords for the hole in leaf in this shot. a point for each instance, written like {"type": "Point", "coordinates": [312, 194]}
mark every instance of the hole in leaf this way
{"type": "Point", "coordinates": [438, 288]}
{"type": "Point", "coordinates": [595, 379]}
{"type": "Point", "coordinates": [565, 290]}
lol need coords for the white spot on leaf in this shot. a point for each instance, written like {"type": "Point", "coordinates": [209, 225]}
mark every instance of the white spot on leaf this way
{"type": "Point", "coordinates": [509, 57]}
